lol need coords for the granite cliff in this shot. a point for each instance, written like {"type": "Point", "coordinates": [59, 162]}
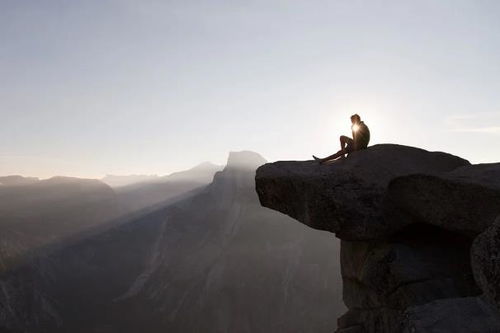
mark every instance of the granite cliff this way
{"type": "Point", "coordinates": [419, 242]}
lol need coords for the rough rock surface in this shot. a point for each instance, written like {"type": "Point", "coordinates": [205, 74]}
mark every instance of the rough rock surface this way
{"type": "Point", "coordinates": [485, 258]}
{"type": "Point", "coordinates": [407, 219]}
{"type": "Point", "coordinates": [458, 315]}
{"type": "Point", "coordinates": [403, 272]}
{"type": "Point", "coordinates": [465, 200]}
{"type": "Point", "coordinates": [347, 196]}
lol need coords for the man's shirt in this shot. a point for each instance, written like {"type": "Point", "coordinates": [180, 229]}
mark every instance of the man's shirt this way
{"type": "Point", "coordinates": [361, 136]}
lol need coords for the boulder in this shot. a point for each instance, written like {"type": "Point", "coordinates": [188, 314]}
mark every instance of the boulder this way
{"type": "Point", "coordinates": [464, 200]}
{"type": "Point", "coordinates": [485, 261]}
{"type": "Point", "coordinates": [347, 196]}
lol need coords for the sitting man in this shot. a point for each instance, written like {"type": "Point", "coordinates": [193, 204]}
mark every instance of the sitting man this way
{"type": "Point", "coordinates": [360, 140]}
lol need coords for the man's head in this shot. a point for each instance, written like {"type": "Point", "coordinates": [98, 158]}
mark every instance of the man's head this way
{"type": "Point", "coordinates": [355, 118]}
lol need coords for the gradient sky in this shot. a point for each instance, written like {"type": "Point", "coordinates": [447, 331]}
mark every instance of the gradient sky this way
{"type": "Point", "coordinates": [95, 87]}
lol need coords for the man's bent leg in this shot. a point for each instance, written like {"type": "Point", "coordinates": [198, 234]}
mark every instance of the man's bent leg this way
{"type": "Point", "coordinates": [338, 154]}
{"type": "Point", "coordinates": [345, 147]}
{"type": "Point", "coordinates": [345, 141]}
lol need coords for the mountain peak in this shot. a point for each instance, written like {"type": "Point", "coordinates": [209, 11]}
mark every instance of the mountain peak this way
{"type": "Point", "coordinates": [245, 159]}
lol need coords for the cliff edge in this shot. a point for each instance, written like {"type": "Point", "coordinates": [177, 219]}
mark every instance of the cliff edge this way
{"type": "Point", "coordinates": [419, 246]}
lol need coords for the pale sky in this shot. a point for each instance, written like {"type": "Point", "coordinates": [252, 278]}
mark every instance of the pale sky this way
{"type": "Point", "coordinates": [99, 87]}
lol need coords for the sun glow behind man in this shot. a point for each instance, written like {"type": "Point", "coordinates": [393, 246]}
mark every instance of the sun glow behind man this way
{"type": "Point", "coordinates": [360, 140]}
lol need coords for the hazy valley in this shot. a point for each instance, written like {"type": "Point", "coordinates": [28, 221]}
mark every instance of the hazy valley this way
{"type": "Point", "coordinates": [191, 252]}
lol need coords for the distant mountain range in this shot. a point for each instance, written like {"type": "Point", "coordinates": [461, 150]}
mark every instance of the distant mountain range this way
{"type": "Point", "coordinates": [143, 194]}
{"type": "Point", "coordinates": [17, 180]}
{"type": "Point", "coordinates": [213, 260]}
{"type": "Point", "coordinates": [201, 173]}
{"type": "Point", "coordinates": [124, 180]}
{"type": "Point", "coordinates": [35, 213]}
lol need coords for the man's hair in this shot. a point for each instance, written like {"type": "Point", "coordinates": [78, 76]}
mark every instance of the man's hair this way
{"type": "Point", "coordinates": [355, 117]}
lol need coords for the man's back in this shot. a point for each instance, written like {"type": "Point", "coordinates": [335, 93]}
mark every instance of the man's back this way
{"type": "Point", "coordinates": [361, 136]}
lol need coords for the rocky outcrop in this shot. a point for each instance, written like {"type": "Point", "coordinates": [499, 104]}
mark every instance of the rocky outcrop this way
{"type": "Point", "coordinates": [407, 219]}
{"type": "Point", "coordinates": [347, 196]}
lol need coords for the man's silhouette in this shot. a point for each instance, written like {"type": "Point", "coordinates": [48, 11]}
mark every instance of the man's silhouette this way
{"type": "Point", "coordinates": [360, 140]}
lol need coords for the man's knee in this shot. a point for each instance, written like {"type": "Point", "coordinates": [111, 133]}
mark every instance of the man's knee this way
{"type": "Point", "coordinates": [345, 139]}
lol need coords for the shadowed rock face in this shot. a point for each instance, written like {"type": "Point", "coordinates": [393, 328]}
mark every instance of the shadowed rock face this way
{"type": "Point", "coordinates": [464, 315]}
{"type": "Point", "coordinates": [407, 219]}
{"type": "Point", "coordinates": [465, 200]}
{"type": "Point", "coordinates": [485, 255]}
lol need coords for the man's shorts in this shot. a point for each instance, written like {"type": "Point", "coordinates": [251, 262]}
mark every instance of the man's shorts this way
{"type": "Point", "coordinates": [350, 146]}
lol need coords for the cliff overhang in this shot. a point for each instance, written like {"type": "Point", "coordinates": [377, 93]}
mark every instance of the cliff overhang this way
{"type": "Point", "coordinates": [407, 219]}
